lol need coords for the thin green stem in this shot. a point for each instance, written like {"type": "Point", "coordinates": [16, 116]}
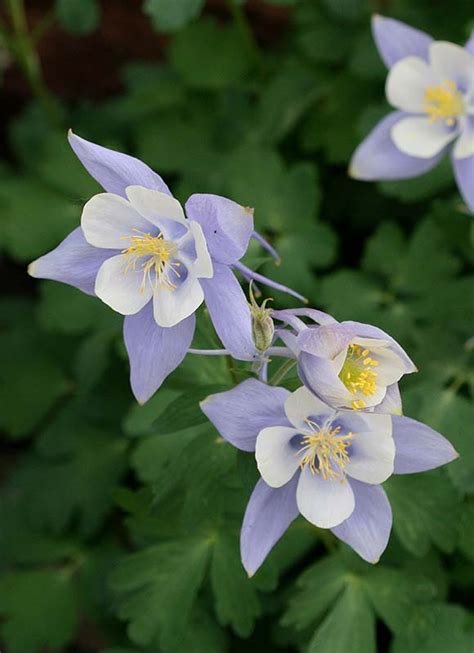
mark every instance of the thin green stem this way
{"type": "Point", "coordinates": [22, 48]}
{"type": "Point", "coordinates": [43, 26]}
{"type": "Point", "coordinates": [241, 23]}
{"type": "Point", "coordinates": [282, 371]}
{"type": "Point", "coordinates": [231, 369]}
{"type": "Point", "coordinates": [457, 382]}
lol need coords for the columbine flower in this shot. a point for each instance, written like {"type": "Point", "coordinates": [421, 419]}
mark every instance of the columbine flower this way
{"type": "Point", "coordinates": [347, 365]}
{"type": "Point", "coordinates": [323, 463]}
{"type": "Point", "coordinates": [431, 84]}
{"type": "Point", "coordinates": [136, 251]}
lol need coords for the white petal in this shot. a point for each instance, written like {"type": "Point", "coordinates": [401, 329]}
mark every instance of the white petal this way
{"type": "Point", "coordinates": [406, 84]}
{"type": "Point", "coordinates": [416, 136]}
{"type": "Point", "coordinates": [202, 266]}
{"type": "Point", "coordinates": [108, 220]}
{"type": "Point", "coordinates": [277, 461]}
{"type": "Point", "coordinates": [452, 62]}
{"type": "Point", "coordinates": [372, 457]}
{"type": "Point", "coordinates": [379, 423]}
{"type": "Point", "coordinates": [155, 205]}
{"type": "Point", "coordinates": [391, 367]}
{"type": "Point", "coordinates": [464, 146]}
{"type": "Point", "coordinates": [121, 289]}
{"type": "Point", "coordinates": [324, 503]}
{"type": "Point", "coordinates": [161, 209]}
{"type": "Point", "coordinates": [302, 404]}
{"type": "Point", "coordinates": [172, 306]}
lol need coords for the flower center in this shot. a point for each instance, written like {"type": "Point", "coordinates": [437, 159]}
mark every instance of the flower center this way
{"type": "Point", "coordinates": [357, 375]}
{"type": "Point", "coordinates": [158, 253]}
{"type": "Point", "coordinates": [324, 449]}
{"type": "Point", "coordinates": [444, 102]}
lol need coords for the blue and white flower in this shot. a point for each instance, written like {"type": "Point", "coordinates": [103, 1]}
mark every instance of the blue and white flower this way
{"type": "Point", "coordinates": [138, 252]}
{"type": "Point", "coordinates": [348, 365]}
{"type": "Point", "coordinates": [322, 463]}
{"type": "Point", "coordinates": [431, 87]}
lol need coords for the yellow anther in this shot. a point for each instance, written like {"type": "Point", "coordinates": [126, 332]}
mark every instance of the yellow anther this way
{"type": "Point", "coordinates": [356, 373]}
{"type": "Point", "coordinates": [157, 253]}
{"type": "Point", "coordinates": [360, 403]}
{"type": "Point", "coordinates": [444, 102]}
{"type": "Point", "coordinates": [325, 451]}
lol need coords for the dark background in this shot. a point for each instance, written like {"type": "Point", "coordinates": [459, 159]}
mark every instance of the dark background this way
{"type": "Point", "coordinates": [119, 524]}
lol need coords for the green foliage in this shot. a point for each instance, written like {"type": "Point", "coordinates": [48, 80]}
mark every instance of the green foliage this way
{"type": "Point", "coordinates": [41, 610]}
{"type": "Point", "coordinates": [344, 597]}
{"type": "Point", "coordinates": [169, 15]}
{"type": "Point", "coordinates": [119, 523]}
{"type": "Point", "coordinates": [78, 16]}
{"type": "Point", "coordinates": [160, 586]}
{"type": "Point", "coordinates": [193, 55]}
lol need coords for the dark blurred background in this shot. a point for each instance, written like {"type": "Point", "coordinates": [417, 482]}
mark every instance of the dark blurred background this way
{"type": "Point", "coordinates": [263, 102]}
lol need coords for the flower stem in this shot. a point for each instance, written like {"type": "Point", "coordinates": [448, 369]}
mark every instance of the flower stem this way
{"type": "Point", "coordinates": [282, 371]}
{"type": "Point", "coordinates": [21, 45]}
{"type": "Point", "coordinates": [209, 352]}
{"type": "Point", "coordinates": [242, 25]}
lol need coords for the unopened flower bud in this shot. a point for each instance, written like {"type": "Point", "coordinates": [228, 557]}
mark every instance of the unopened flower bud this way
{"type": "Point", "coordinates": [263, 328]}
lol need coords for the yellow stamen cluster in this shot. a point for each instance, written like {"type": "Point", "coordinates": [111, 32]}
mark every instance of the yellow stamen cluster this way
{"type": "Point", "coordinates": [158, 253]}
{"type": "Point", "coordinates": [357, 375]}
{"type": "Point", "coordinates": [444, 102]}
{"type": "Point", "coordinates": [324, 449]}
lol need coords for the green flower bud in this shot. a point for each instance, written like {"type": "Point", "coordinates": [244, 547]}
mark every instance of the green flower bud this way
{"type": "Point", "coordinates": [262, 323]}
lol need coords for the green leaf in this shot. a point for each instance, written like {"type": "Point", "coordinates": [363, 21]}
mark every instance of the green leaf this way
{"type": "Point", "coordinates": [40, 610]}
{"type": "Point", "coordinates": [450, 414]}
{"type": "Point", "coordinates": [394, 595]}
{"type": "Point", "coordinates": [156, 589]}
{"type": "Point", "coordinates": [31, 379]}
{"type": "Point", "coordinates": [184, 412]}
{"type": "Point", "coordinates": [157, 458]}
{"type": "Point", "coordinates": [318, 588]}
{"type": "Point", "coordinates": [208, 56]}
{"type": "Point", "coordinates": [140, 419]}
{"type": "Point", "coordinates": [417, 501]}
{"type": "Point", "coordinates": [385, 250]}
{"type": "Point", "coordinates": [333, 127]}
{"type": "Point", "coordinates": [466, 530]}
{"type": "Point", "coordinates": [350, 626]}
{"type": "Point", "coordinates": [21, 543]}
{"type": "Point", "coordinates": [63, 309]}
{"type": "Point", "coordinates": [321, 39]}
{"type": "Point", "coordinates": [85, 462]}
{"type": "Point", "coordinates": [426, 262]}
{"type": "Point", "coordinates": [36, 218]}
{"type": "Point", "coordinates": [170, 15]}
{"type": "Point", "coordinates": [347, 9]}
{"type": "Point", "coordinates": [165, 144]}
{"type": "Point", "coordinates": [428, 185]}
{"type": "Point", "coordinates": [452, 417]}
{"type": "Point", "coordinates": [437, 629]}
{"type": "Point", "coordinates": [289, 94]}
{"type": "Point", "coordinates": [78, 16]}
{"type": "Point", "coordinates": [350, 292]}
{"type": "Point", "coordinates": [236, 599]}
{"type": "Point", "coordinates": [92, 360]}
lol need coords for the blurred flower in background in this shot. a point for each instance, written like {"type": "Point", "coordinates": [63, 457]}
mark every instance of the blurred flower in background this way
{"type": "Point", "coordinates": [431, 84]}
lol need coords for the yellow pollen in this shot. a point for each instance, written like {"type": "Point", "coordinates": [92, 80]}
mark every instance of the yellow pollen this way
{"type": "Point", "coordinates": [157, 254]}
{"type": "Point", "coordinates": [444, 102]}
{"type": "Point", "coordinates": [323, 449]}
{"type": "Point", "coordinates": [357, 373]}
